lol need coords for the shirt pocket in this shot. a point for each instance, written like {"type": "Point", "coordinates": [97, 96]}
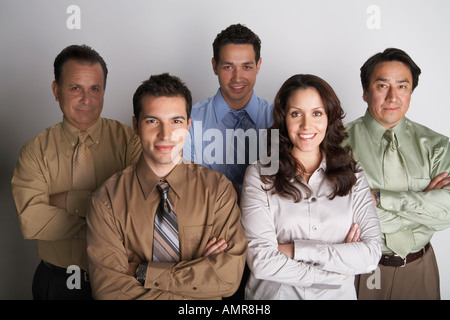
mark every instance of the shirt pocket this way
{"type": "Point", "coordinates": [194, 240]}
{"type": "Point", "coordinates": [419, 184]}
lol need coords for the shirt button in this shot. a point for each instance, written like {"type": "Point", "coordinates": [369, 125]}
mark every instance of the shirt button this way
{"type": "Point", "coordinates": [194, 288]}
{"type": "Point", "coordinates": [76, 210]}
{"type": "Point", "coordinates": [156, 284]}
{"type": "Point", "coordinates": [313, 199]}
{"type": "Point", "coordinates": [184, 298]}
{"type": "Point", "coordinates": [315, 228]}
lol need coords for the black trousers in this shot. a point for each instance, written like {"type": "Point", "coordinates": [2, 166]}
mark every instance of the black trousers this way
{"type": "Point", "coordinates": [51, 283]}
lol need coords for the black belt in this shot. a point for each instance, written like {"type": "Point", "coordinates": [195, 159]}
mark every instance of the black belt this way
{"type": "Point", "coordinates": [392, 260]}
{"type": "Point", "coordinates": [85, 276]}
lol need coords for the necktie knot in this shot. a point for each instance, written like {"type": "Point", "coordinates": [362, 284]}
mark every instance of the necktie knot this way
{"type": "Point", "coordinates": [82, 136]}
{"type": "Point", "coordinates": [389, 135]}
{"type": "Point", "coordinates": [238, 119]}
{"type": "Point", "coordinates": [163, 187]}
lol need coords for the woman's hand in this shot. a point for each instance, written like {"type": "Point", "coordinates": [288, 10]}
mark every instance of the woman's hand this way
{"type": "Point", "coordinates": [353, 234]}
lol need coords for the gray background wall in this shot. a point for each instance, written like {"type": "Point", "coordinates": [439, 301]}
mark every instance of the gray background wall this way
{"type": "Point", "coordinates": [137, 38]}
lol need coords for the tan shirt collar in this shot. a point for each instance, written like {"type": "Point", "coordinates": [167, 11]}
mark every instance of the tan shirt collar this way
{"type": "Point", "coordinates": [148, 179]}
{"type": "Point", "coordinates": [72, 133]}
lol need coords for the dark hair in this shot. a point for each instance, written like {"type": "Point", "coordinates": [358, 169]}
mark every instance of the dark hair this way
{"type": "Point", "coordinates": [236, 34]}
{"type": "Point", "coordinates": [162, 85]}
{"type": "Point", "coordinates": [340, 166]}
{"type": "Point", "coordinates": [80, 53]}
{"type": "Point", "coordinates": [390, 54]}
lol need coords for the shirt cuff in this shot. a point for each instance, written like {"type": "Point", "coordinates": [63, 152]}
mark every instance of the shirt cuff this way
{"type": "Point", "coordinates": [389, 200]}
{"type": "Point", "coordinates": [158, 275]}
{"type": "Point", "coordinates": [309, 252]}
{"type": "Point", "coordinates": [76, 202]}
{"type": "Point", "coordinates": [313, 253]}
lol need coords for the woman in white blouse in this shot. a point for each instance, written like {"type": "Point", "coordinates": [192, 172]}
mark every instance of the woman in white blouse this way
{"type": "Point", "coordinates": [312, 225]}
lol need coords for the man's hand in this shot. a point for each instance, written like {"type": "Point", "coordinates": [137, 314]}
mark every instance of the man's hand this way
{"type": "Point", "coordinates": [58, 200]}
{"type": "Point", "coordinates": [214, 246]}
{"type": "Point", "coordinates": [373, 197]}
{"type": "Point", "coordinates": [132, 266]}
{"type": "Point", "coordinates": [439, 182]}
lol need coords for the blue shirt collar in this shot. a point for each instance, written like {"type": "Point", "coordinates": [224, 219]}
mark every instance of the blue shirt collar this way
{"type": "Point", "coordinates": [221, 108]}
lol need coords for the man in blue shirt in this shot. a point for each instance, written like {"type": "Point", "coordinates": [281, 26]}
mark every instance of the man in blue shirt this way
{"type": "Point", "coordinates": [216, 140]}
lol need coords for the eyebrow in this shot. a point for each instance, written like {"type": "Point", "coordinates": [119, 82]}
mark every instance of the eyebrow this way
{"type": "Point", "coordinates": [389, 80]}
{"type": "Point", "coordinates": [155, 117]}
{"type": "Point", "coordinates": [71, 84]}
{"type": "Point", "coordinates": [314, 109]}
{"type": "Point", "coordinates": [244, 63]}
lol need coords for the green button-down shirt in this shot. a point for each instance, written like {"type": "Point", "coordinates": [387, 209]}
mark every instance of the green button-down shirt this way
{"type": "Point", "coordinates": [426, 155]}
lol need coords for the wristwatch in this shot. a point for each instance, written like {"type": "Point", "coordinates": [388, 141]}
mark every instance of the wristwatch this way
{"type": "Point", "coordinates": [377, 197]}
{"type": "Point", "coordinates": [141, 273]}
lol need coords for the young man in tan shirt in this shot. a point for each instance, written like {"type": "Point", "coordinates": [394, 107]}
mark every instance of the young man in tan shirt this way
{"type": "Point", "coordinates": [211, 245]}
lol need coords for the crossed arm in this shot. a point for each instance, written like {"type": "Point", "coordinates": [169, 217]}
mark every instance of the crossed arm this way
{"type": "Point", "coordinates": [214, 246]}
{"type": "Point", "coordinates": [439, 182]}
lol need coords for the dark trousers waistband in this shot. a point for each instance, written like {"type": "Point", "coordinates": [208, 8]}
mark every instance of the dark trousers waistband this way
{"type": "Point", "coordinates": [85, 275]}
{"type": "Point", "coordinates": [392, 260]}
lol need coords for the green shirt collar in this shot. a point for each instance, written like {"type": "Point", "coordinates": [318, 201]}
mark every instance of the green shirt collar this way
{"type": "Point", "coordinates": [377, 130]}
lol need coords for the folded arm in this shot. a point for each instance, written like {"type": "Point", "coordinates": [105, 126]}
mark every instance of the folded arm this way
{"type": "Point", "coordinates": [42, 215]}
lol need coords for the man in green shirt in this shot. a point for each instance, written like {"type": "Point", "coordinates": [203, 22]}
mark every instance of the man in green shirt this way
{"type": "Point", "coordinates": [407, 167]}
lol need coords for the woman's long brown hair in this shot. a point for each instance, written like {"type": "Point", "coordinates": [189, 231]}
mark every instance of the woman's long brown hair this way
{"type": "Point", "coordinates": [340, 166]}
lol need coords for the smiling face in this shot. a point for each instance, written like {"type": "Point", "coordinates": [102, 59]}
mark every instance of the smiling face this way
{"type": "Point", "coordinates": [389, 93]}
{"type": "Point", "coordinates": [162, 127]}
{"type": "Point", "coordinates": [80, 93]}
{"type": "Point", "coordinates": [237, 70]}
{"type": "Point", "coordinates": [306, 122]}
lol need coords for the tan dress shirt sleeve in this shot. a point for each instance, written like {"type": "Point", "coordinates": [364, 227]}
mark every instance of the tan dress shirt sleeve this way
{"type": "Point", "coordinates": [37, 218]}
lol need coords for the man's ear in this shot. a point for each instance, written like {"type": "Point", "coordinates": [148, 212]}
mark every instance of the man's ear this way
{"type": "Point", "coordinates": [365, 95]}
{"type": "Point", "coordinates": [55, 89]}
{"type": "Point", "coordinates": [189, 124]}
{"type": "Point", "coordinates": [258, 65]}
{"type": "Point", "coordinates": [214, 65]}
{"type": "Point", "coordinates": [135, 126]}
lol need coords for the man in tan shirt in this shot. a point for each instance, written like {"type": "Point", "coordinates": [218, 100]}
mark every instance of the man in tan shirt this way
{"type": "Point", "coordinates": [50, 207]}
{"type": "Point", "coordinates": [121, 217]}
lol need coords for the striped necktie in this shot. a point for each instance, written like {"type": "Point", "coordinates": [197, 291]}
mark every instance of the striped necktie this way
{"type": "Point", "coordinates": [238, 120]}
{"type": "Point", "coordinates": [396, 179]}
{"type": "Point", "coordinates": [83, 174]}
{"type": "Point", "coordinates": [165, 243]}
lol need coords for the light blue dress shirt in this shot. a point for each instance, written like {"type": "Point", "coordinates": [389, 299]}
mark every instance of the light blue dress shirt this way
{"type": "Point", "coordinates": [209, 140]}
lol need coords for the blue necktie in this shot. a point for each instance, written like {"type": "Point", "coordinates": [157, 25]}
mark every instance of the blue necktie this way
{"type": "Point", "coordinates": [238, 119]}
